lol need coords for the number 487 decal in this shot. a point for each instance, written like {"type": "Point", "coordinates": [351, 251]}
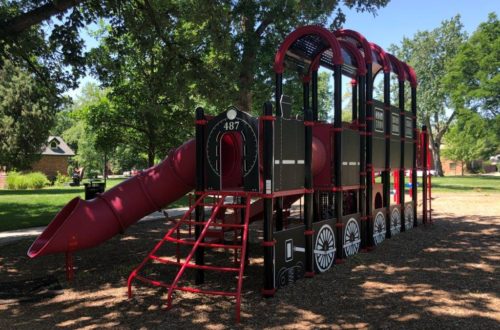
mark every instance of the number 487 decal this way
{"type": "Point", "coordinates": [231, 125]}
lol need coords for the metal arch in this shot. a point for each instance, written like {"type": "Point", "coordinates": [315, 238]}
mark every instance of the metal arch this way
{"type": "Point", "coordinates": [410, 74]}
{"type": "Point", "coordinates": [386, 65]}
{"type": "Point", "coordinates": [351, 49]}
{"type": "Point", "coordinates": [362, 41]}
{"type": "Point", "coordinates": [396, 64]}
{"type": "Point", "coordinates": [301, 32]}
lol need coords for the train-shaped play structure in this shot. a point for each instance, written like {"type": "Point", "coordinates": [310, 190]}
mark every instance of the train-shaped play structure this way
{"type": "Point", "coordinates": [313, 185]}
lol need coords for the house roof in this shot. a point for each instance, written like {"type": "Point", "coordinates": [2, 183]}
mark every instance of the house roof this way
{"type": "Point", "coordinates": [62, 148]}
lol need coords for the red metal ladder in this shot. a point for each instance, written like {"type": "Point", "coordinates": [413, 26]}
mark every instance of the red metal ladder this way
{"type": "Point", "coordinates": [171, 236]}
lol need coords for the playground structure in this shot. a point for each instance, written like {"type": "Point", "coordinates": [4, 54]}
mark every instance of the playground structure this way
{"type": "Point", "coordinates": [245, 169]}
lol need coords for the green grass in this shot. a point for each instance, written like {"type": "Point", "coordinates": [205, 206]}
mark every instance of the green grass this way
{"type": "Point", "coordinates": [32, 208]}
{"type": "Point", "coordinates": [472, 183]}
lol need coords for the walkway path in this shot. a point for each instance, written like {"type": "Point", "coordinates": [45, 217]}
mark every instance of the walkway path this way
{"type": "Point", "coordinates": [7, 237]}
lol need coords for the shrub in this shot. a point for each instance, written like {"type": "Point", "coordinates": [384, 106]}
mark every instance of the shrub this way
{"type": "Point", "coordinates": [18, 181]}
{"type": "Point", "coordinates": [61, 179]}
{"type": "Point", "coordinates": [37, 180]}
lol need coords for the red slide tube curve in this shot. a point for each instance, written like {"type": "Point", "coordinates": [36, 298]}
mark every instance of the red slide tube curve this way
{"type": "Point", "coordinates": [84, 224]}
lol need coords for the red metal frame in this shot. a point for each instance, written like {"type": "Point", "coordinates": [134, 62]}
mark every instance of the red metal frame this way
{"type": "Point", "coordinates": [186, 263]}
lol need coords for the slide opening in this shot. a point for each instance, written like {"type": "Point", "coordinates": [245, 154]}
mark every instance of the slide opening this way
{"type": "Point", "coordinates": [52, 228]}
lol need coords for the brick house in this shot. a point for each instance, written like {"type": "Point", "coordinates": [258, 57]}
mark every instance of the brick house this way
{"type": "Point", "coordinates": [55, 157]}
{"type": "Point", "coordinates": [452, 167]}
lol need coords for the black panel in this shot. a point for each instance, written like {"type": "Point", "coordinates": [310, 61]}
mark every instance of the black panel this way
{"type": "Point", "coordinates": [233, 120]}
{"type": "Point", "coordinates": [408, 154]}
{"type": "Point", "coordinates": [351, 235]}
{"type": "Point", "coordinates": [286, 106]}
{"type": "Point", "coordinates": [290, 258]}
{"type": "Point", "coordinates": [378, 158]}
{"type": "Point", "coordinates": [395, 153]}
{"type": "Point", "coordinates": [395, 219]}
{"type": "Point", "coordinates": [408, 216]}
{"type": "Point", "coordinates": [350, 158]}
{"type": "Point", "coordinates": [379, 225]}
{"type": "Point", "coordinates": [288, 154]}
{"type": "Point", "coordinates": [324, 245]}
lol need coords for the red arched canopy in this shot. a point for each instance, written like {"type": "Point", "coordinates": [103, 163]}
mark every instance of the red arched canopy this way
{"type": "Point", "coordinates": [380, 58]}
{"type": "Point", "coordinates": [353, 53]}
{"type": "Point", "coordinates": [359, 40]}
{"type": "Point", "coordinates": [397, 67]}
{"type": "Point", "coordinates": [306, 42]}
{"type": "Point", "coordinates": [410, 75]}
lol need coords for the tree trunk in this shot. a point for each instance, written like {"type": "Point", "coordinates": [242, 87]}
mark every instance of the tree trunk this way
{"type": "Point", "coordinates": [436, 157]}
{"type": "Point", "coordinates": [151, 154]}
{"type": "Point", "coordinates": [435, 145]}
{"type": "Point", "coordinates": [462, 167]}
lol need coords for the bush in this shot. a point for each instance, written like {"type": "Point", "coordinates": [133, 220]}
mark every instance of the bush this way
{"type": "Point", "coordinates": [61, 179]}
{"type": "Point", "coordinates": [18, 181]}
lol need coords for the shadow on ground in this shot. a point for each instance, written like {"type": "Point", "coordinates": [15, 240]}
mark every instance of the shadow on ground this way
{"type": "Point", "coordinates": [444, 275]}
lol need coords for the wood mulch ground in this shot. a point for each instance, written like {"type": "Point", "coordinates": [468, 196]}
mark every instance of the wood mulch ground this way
{"type": "Point", "coordinates": [439, 276]}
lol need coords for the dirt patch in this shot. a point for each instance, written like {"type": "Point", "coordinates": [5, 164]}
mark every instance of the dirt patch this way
{"type": "Point", "coordinates": [444, 275]}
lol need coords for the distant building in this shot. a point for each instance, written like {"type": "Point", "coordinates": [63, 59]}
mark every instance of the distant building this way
{"type": "Point", "coordinates": [452, 167]}
{"type": "Point", "coordinates": [55, 157]}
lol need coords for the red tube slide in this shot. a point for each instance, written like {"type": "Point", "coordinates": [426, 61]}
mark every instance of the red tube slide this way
{"type": "Point", "coordinates": [84, 224]}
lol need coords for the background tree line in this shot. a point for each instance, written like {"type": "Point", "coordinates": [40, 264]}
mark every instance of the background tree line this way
{"type": "Point", "coordinates": [156, 60]}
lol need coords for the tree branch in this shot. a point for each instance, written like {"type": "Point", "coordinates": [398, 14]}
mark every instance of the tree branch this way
{"type": "Point", "coordinates": [263, 25]}
{"type": "Point", "coordinates": [18, 24]}
{"type": "Point", "coordinates": [444, 129]}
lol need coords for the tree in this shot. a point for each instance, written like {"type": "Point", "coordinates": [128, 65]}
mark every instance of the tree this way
{"type": "Point", "coordinates": [429, 52]}
{"type": "Point", "coordinates": [27, 112]}
{"type": "Point", "coordinates": [241, 44]}
{"type": "Point", "coordinates": [473, 76]}
{"type": "Point", "coordinates": [78, 133]}
{"type": "Point", "coordinates": [470, 137]}
{"type": "Point", "coordinates": [163, 58]}
{"type": "Point", "coordinates": [44, 38]}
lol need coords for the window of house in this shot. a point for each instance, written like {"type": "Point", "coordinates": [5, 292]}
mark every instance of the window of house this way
{"type": "Point", "coordinates": [379, 120]}
{"type": "Point", "coordinates": [453, 166]}
{"type": "Point", "coordinates": [53, 144]}
{"type": "Point", "coordinates": [395, 124]}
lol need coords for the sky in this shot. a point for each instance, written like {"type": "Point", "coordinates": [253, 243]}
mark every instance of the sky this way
{"type": "Point", "coordinates": [400, 18]}
{"type": "Point", "coordinates": [404, 18]}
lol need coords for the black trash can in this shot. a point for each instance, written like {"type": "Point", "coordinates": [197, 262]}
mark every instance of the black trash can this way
{"type": "Point", "coordinates": [93, 188]}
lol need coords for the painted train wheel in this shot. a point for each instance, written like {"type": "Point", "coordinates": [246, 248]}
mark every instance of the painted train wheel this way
{"type": "Point", "coordinates": [408, 217]}
{"type": "Point", "coordinates": [379, 228]}
{"type": "Point", "coordinates": [395, 221]}
{"type": "Point", "coordinates": [352, 238]}
{"type": "Point", "coordinates": [324, 248]}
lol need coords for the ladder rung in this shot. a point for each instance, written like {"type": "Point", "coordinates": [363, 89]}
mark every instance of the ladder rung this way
{"type": "Point", "coordinates": [210, 245]}
{"type": "Point", "coordinates": [214, 224]}
{"type": "Point", "coordinates": [184, 288]}
{"type": "Point", "coordinates": [204, 267]}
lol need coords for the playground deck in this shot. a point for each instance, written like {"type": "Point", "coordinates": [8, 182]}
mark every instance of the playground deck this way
{"type": "Point", "coordinates": [441, 273]}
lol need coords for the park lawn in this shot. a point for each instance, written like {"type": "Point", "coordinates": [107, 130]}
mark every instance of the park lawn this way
{"type": "Point", "coordinates": [470, 183]}
{"type": "Point", "coordinates": [33, 208]}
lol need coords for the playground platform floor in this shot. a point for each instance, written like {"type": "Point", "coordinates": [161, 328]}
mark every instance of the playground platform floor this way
{"type": "Point", "coordinates": [440, 276]}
